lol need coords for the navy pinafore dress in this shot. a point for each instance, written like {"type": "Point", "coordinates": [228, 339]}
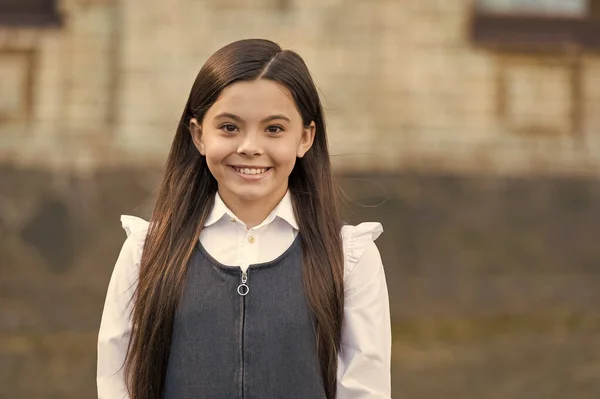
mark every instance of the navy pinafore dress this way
{"type": "Point", "coordinates": [260, 345]}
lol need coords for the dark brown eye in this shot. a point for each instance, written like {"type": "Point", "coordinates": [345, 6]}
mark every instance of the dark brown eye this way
{"type": "Point", "coordinates": [229, 128]}
{"type": "Point", "coordinates": [274, 129]}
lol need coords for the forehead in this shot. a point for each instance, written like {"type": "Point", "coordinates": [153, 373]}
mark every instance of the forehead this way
{"type": "Point", "coordinates": [255, 99]}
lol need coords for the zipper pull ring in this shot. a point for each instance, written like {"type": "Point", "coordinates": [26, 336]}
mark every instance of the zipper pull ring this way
{"type": "Point", "coordinates": [243, 288]}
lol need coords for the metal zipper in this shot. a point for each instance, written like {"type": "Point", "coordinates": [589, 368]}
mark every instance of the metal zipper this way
{"type": "Point", "coordinates": [243, 290]}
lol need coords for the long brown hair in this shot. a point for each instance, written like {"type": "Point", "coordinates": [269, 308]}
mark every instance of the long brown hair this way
{"type": "Point", "coordinates": [186, 196]}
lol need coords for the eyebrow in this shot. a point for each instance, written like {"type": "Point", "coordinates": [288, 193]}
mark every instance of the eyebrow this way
{"type": "Point", "coordinates": [239, 119]}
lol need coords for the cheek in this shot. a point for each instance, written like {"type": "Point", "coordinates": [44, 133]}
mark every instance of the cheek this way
{"type": "Point", "coordinates": [215, 150]}
{"type": "Point", "coordinates": [285, 153]}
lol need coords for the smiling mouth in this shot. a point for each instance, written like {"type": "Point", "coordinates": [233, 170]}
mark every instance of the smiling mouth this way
{"type": "Point", "coordinates": [250, 171]}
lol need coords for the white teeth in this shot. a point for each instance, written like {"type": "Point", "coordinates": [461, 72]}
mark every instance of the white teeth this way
{"type": "Point", "coordinates": [248, 171]}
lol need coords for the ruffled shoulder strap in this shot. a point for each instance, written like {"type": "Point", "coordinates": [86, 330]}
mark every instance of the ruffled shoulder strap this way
{"type": "Point", "coordinates": [136, 229]}
{"type": "Point", "coordinates": [356, 239]}
{"type": "Point", "coordinates": [134, 225]}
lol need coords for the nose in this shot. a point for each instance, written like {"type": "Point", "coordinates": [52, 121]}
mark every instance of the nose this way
{"type": "Point", "coordinates": [250, 145]}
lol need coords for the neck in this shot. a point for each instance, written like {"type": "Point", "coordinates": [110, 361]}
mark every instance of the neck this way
{"type": "Point", "coordinates": [252, 212]}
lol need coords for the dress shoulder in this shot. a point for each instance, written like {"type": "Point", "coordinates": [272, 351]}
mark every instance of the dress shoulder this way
{"type": "Point", "coordinates": [136, 229]}
{"type": "Point", "coordinates": [356, 240]}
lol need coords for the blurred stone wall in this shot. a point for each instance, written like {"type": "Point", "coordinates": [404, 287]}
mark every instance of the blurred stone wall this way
{"type": "Point", "coordinates": [493, 281]}
{"type": "Point", "coordinates": [403, 84]}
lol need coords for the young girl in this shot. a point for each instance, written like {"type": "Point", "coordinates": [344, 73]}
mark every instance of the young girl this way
{"type": "Point", "coordinates": [246, 283]}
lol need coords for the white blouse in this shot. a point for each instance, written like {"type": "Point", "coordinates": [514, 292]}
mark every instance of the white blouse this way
{"type": "Point", "coordinates": [365, 354]}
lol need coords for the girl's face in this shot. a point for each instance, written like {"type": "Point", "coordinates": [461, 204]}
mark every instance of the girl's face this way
{"type": "Point", "coordinates": [251, 137]}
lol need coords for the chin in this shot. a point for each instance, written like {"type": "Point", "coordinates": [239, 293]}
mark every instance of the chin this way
{"type": "Point", "coordinates": [250, 195]}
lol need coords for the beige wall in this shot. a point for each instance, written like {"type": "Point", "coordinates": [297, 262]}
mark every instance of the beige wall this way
{"type": "Point", "coordinates": [403, 85]}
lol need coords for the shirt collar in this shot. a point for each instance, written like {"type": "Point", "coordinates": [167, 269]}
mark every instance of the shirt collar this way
{"type": "Point", "coordinates": [284, 210]}
{"type": "Point", "coordinates": [218, 211]}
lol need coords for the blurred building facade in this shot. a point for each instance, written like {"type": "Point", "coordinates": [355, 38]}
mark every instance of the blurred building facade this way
{"type": "Point", "coordinates": [470, 128]}
{"type": "Point", "coordinates": [407, 84]}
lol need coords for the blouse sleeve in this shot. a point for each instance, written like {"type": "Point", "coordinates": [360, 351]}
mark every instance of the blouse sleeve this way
{"type": "Point", "coordinates": [364, 359]}
{"type": "Point", "coordinates": [115, 326]}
